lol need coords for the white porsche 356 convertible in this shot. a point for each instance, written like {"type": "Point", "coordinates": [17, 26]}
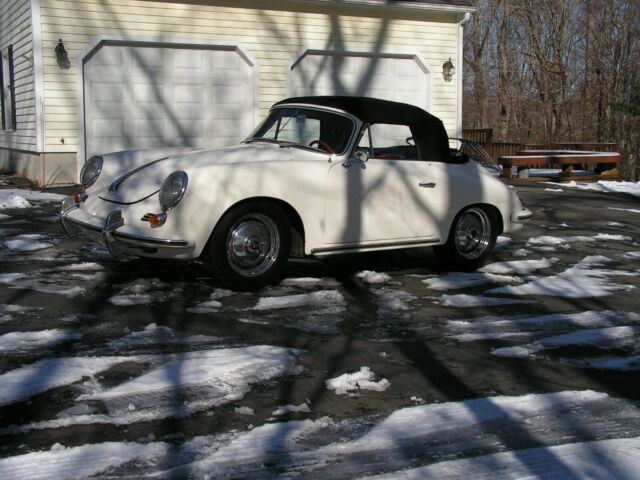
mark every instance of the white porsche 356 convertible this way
{"type": "Point", "coordinates": [320, 176]}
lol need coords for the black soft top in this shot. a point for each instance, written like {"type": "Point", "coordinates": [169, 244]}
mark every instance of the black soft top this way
{"type": "Point", "coordinates": [428, 131]}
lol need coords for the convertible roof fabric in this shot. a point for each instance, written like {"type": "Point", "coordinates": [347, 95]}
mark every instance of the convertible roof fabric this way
{"type": "Point", "coordinates": [428, 131]}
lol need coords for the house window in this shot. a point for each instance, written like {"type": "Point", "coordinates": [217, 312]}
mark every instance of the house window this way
{"type": "Point", "coordinates": [8, 97]}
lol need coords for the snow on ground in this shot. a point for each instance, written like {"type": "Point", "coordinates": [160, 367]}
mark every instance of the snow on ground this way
{"type": "Point", "coordinates": [14, 194]}
{"type": "Point", "coordinates": [30, 243]}
{"type": "Point", "coordinates": [213, 304]}
{"type": "Point", "coordinates": [285, 409]}
{"type": "Point", "coordinates": [630, 255]}
{"type": "Point", "coordinates": [14, 342]}
{"type": "Point", "coordinates": [364, 379]}
{"type": "Point", "coordinates": [321, 297]}
{"type": "Point", "coordinates": [466, 301]}
{"type": "Point", "coordinates": [447, 430]}
{"type": "Point", "coordinates": [632, 210]}
{"type": "Point", "coordinates": [609, 338]}
{"type": "Point", "coordinates": [38, 377]}
{"type": "Point", "coordinates": [548, 240]}
{"type": "Point", "coordinates": [77, 462]}
{"type": "Point", "coordinates": [153, 335]}
{"type": "Point", "coordinates": [582, 280]}
{"type": "Point", "coordinates": [489, 327]}
{"type": "Point", "coordinates": [599, 460]}
{"type": "Point", "coordinates": [177, 385]}
{"type": "Point", "coordinates": [455, 280]}
{"type": "Point", "coordinates": [606, 186]}
{"type": "Point", "coordinates": [519, 267]}
{"type": "Point", "coordinates": [368, 276]}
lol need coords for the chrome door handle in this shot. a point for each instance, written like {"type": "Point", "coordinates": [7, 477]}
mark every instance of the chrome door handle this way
{"type": "Point", "coordinates": [427, 184]}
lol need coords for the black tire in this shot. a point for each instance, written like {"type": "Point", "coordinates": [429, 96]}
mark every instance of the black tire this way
{"type": "Point", "coordinates": [249, 247]}
{"type": "Point", "coordinates": [472, 239]}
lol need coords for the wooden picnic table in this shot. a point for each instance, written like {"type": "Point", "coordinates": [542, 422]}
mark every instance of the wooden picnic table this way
{"type": "Point", "coordinates": [557, 158]}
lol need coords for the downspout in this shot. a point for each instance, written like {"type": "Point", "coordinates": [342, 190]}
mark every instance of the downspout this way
{"type": "Point", "coordinates": [459, 67]}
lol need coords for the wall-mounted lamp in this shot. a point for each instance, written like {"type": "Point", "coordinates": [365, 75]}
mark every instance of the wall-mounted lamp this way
{"type": "Point", "coordinates": [448, 70]}
{"type": "Point", "coordinates": [61, 56]}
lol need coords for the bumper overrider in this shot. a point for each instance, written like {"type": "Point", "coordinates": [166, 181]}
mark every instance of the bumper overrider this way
{"type": "Point", "coordinates": [76, 223]}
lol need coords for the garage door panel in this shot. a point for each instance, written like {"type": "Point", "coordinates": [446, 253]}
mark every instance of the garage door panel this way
{"type": "Point", "coordinates": [157, 96]}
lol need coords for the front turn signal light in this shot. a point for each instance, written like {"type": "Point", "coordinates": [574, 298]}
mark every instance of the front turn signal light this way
{"type": "Point", "coordinates": [155, 219]}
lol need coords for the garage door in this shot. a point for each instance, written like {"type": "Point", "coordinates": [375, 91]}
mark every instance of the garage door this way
{"type": "Point", "coordinates": [149, 96]}
{"type": "Point", "coordinates": [401, 78]}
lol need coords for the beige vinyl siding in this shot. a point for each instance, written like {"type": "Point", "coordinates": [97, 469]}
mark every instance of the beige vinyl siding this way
{"type": "Point", "coordinates": [273, 36]}
{"type": "Point", "coordinates": [15, 29]}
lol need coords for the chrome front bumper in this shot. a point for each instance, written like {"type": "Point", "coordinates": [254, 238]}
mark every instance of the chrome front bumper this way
{"type": "Point", "coordinates": [119, 243]}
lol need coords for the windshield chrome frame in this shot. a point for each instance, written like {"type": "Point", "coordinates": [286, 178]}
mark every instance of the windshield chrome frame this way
{"type": "Point", "coordinates": [357, 125]}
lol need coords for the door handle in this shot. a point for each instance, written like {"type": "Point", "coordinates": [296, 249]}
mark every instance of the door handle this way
{"type": "Point", "coordinates": [427, 184]}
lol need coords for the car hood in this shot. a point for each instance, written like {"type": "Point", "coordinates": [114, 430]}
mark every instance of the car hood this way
{"type": "Point", "coordinates": [145, 180]}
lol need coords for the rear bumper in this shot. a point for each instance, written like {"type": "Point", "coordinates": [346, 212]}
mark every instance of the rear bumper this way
{"type": "Point", "coordinates": [108, 232]}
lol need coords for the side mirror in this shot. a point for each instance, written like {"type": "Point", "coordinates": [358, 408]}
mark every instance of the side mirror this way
{"type": "Point", "coordinates": [361, 155]}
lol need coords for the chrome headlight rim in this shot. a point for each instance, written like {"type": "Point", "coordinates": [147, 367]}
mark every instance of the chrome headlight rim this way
{"type": "Point", "coordinates": [170, 199]}
{"type": "Point", "coordinates": [96, 162]}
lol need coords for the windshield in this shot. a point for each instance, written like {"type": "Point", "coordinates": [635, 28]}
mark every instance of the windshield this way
{"type": "Point", "coordinates": [319, 130]}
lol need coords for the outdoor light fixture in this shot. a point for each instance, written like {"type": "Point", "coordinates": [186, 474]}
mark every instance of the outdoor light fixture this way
{"type": "Point", "coordinates": [61, 56]}
{"type": "Point", "coordinates": [448, 70]}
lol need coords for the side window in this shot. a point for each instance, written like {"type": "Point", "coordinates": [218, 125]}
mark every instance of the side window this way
{"type": "Point", "coordinates": [389, 142]}
{"type": "Point", "coordinates": [7, 93]}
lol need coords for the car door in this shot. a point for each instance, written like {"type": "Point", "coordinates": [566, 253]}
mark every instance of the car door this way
{"type": "Point", "coordinates": [387, 199]}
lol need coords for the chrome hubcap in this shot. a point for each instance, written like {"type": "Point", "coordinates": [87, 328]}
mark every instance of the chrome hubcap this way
{"type": "Point", "coordinates": [473, 233]}
{"type": "Point", "coordinates": [253, 245]}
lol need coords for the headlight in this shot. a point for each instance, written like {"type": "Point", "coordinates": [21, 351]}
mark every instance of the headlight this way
{"type": "Point", "coordinates": [91, 171]}
{"type": "Point", "coordinates": [172, 190]}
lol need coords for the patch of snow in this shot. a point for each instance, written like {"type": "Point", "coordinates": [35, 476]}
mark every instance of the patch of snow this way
{"type": "Point", "coordinates": [455, 280]}
{"type": "Point", "coordinates": [632, 210]}
{"type": "Point", "coordinates": [606, 186]}
{"type": "Point", "coordinates": [9, 199]}
{"type": "Point", "coordinates": [321, 297]}
{"type": "Point", "coordinates": [245, 411]}
{"type": "Point", "coordinates": [610, 337]}
{"type": "Point", "coordinates": [602, 460]}
{"type": "Point", "coordinates": [520, 267]}
{"type": "Point", "coordinates": [554, 190]}
{"type": "Point", "coordinates": [26, 245]}
{"type": "Point", "coordinates": [38, 377]}
{"type": "Point", "coordinates": [368, 276]}
{"type": "Point", "coordinates": [615, 224]}
{"type": "Point", "coordinates": [521, 252]}
{"type": "Point", "coordinates": [24, 341]}
{"type": "Point", "coordinates": [502, 241]}
{"type": "Point", "coordinates": [4, 216]}
{"type": "Point", "coordinates": [77, 462]}
{"type": "Point", "coordinates": [466, 301]}
{"type": "Point", "coordinates": [583, 280]}
{"type": "Point", "coordinates": [132, 299]}
{"type": "Point", "coordinates": [285, 409]}
{"type": "Point", "coordinates": [154, 334]}
{"type": "Point", "coordinates": [364, 379]}
{"type": "Point", "coordinates": [308, 282]}
{"type": "Point", "coordinates": [630, 255]}
{"type": "Point", "coordinates": [547, 240]}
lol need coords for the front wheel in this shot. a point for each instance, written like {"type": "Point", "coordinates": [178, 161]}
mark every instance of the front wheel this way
{"type": "Point", "coordinates": [249, 247]}
{"type": "Point", "coordinates": [471, 240]}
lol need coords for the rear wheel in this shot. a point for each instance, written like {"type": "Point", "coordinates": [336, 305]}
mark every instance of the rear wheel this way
{"type": "Point", "coordinates": [249, 247]}
{"type": "Point", "coordinates": [471, 240]}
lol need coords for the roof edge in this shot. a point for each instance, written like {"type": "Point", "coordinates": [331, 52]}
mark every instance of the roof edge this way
{"type": "Point", "coordinates": [400, 5]}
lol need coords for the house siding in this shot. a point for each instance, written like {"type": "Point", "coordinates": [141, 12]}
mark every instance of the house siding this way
{"type": "Point", "coordinates": [273, 36]}
{"type": "Point", "coordinates": [16, 30]}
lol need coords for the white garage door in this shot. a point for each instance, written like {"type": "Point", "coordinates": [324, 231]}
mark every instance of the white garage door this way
{"type": "Point", "coordinates": [142, 96]}
{"type": "Point", "coordinates": [400, 78]}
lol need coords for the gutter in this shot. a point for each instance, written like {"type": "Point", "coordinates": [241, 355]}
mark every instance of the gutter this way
{"type": "Point", "coordinates": [397, 5]}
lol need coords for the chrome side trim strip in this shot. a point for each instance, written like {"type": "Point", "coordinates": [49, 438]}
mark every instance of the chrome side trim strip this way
{"type": "Point", "coordinates": [378, 246]}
